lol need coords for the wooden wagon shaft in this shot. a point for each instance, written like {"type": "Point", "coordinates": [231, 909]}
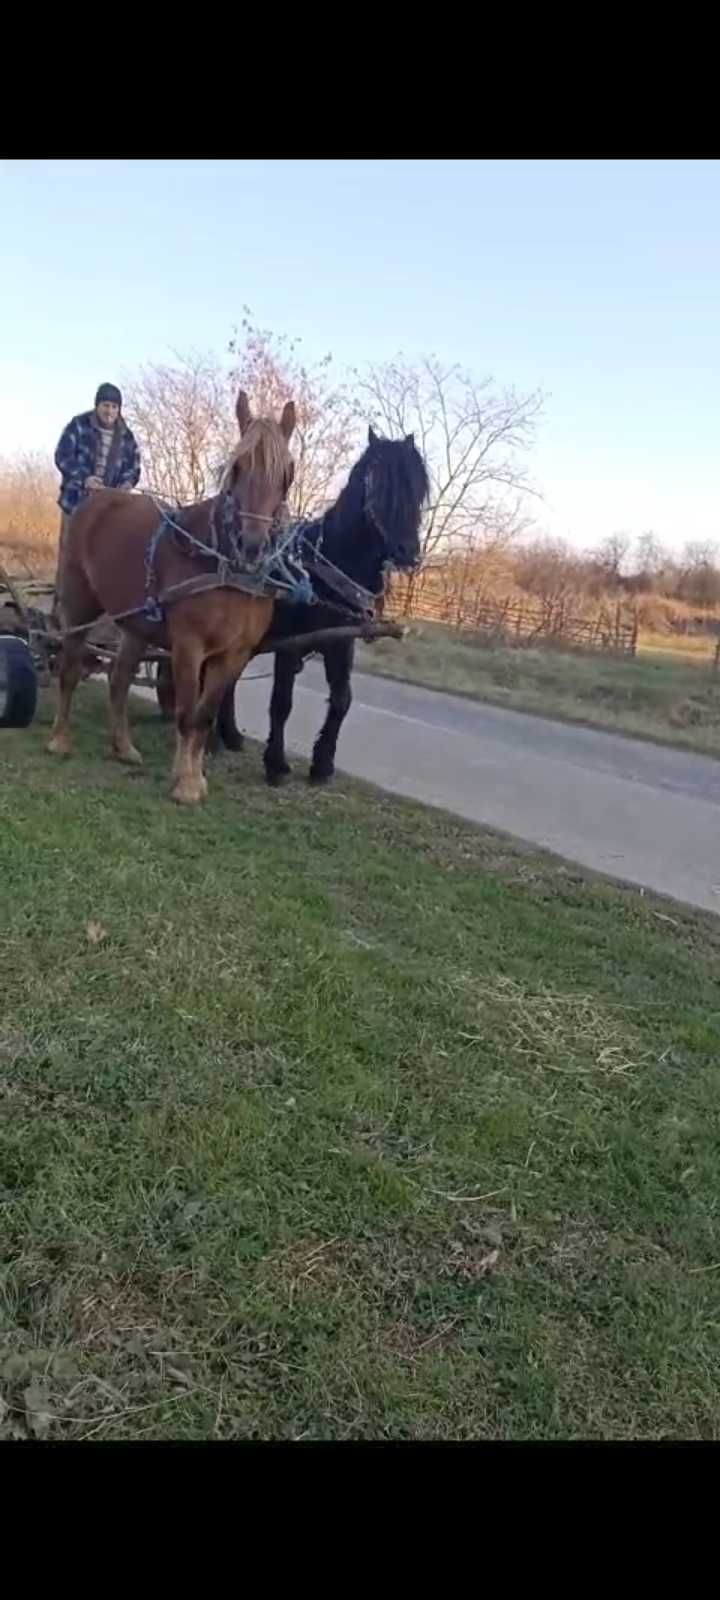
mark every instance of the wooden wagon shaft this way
{"type": "Point", "coordinates": [299, 642]}
{"type": "Point", "coordinates": [367, 631]}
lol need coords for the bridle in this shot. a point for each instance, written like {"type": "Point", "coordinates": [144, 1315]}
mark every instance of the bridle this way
{"type": "Point", "coordinates": [380, 529]}
{"type": "Point", "coordinates": [231, 520]}
{"type": "Point", "coordinates": [369, 509]}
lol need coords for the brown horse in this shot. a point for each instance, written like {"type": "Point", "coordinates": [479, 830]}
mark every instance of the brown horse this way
{"type": "Point", "coordinates": [118, 556]}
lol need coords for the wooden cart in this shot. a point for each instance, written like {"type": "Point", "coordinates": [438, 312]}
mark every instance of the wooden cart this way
{"type": "Point", "coordinates": [26, 615]}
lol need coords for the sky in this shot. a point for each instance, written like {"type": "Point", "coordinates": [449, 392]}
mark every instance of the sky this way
{"type": "Point", "coordinates": [595, 281]}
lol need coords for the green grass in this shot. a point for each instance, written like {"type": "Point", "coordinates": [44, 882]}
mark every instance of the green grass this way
{"type": "Point", "coordinates": [670, 698]}
{"type": "Point", "coordinates": [326, 1116]}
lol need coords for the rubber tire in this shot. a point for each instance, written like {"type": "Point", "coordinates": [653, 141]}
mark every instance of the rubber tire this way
{"type": "Point", "coordinates": [18, 703]}
{"type": "Point", "coordinates": [226, 724]}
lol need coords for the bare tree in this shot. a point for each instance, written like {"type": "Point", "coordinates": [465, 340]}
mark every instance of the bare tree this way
{"type": "Point", "coordinates": [184, 422]}
{"type": "Point", "coordinates": [649, 559]}
{"type": "Point", "coordinates": [609, 559]}
{"type": "Point", "coordinates": [473, 436]}
{"type": "Point", "coordinates": [183, 415]}
{"type": "Point", "coordinates": [327, 437]}
{"type": "Point", "coordinates": [698, 575]}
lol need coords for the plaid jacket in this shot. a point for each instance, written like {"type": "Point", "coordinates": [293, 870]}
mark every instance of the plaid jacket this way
{"type": "Point", "coordinates": [76, 457]}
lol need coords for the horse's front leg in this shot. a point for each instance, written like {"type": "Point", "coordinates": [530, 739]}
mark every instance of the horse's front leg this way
{"type": "Point", "coordinates": [189, 784]}
{"type": "Point", "coordinates": [219, 672]}
{"type": "Point", "coordinates": [338, 659]}
{"type": "Point", "coordinates": [123, 671]}
{"type": "Point", "coordinates": [276, 765]}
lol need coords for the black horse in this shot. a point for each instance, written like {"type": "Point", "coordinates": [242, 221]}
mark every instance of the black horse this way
{"type": "Point", "coordinates": [374, 525]}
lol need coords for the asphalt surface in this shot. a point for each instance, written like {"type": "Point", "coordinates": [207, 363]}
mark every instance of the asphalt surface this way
{"type": "Point", "coordinates": [639, 812]}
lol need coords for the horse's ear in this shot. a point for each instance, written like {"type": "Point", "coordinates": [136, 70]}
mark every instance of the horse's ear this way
{"type": "Point", "coordinates": [242, 411]}
{"type": "Point", "coordinates": [410, 440]}
{"type": "Point", "coordinates": [288, 420]}
{"type": "Point", "coordinates": [372, 436]}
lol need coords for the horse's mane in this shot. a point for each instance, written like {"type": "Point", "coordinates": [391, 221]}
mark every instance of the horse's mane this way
{"type": "Point", "coordinates": [264, 447]}
{"type": "Point", "coordinates": [400, 487]}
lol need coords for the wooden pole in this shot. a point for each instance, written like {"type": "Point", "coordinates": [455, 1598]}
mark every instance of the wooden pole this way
{"type": "Point", "coordinates": [367, 632]}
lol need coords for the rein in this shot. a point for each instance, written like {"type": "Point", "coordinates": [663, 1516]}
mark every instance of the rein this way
{"type": "Point", "coordinates": [285, 571]}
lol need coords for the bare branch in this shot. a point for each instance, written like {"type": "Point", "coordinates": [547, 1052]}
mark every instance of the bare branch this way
{"type": "Point", "coordinates": [269, 366]}
{"type": "Point", "coordinates": [183, 418]}
{"type": "Point", "coordinates": [473, 436]}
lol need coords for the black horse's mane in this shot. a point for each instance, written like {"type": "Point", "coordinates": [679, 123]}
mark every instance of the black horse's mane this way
{"type": "Point", "coordinates": [376, 517]}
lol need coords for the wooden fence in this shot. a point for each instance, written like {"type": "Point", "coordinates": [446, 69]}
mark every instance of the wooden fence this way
{"type": "Point", "coordinates": [513, 621]}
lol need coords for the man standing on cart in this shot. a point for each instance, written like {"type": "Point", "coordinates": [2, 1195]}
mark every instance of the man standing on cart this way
{"type": "Point", "coordinates": [96, 451]}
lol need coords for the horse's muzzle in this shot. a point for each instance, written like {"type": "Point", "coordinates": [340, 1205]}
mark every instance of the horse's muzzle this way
{"type": "Point", "coordinates": [252, 549]}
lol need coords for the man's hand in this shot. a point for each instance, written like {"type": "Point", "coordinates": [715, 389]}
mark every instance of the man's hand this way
{"type": "Point", "coordinates": [94, 483]}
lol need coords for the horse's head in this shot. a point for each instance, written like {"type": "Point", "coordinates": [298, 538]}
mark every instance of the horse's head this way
{"type": "Point", "coordinates": [395, 489]}
{"type": "Point", "coordinates": [258, 476]}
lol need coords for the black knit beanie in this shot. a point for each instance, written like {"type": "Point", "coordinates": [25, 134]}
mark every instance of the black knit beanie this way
{"type": "Point", "coordinates": [108, 392]}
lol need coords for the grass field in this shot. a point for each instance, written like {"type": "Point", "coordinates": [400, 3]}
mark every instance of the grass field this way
{"type": "Point", "coordinates": [671, 697]}
{"type": "Point", "coordinates": [325, 1116]}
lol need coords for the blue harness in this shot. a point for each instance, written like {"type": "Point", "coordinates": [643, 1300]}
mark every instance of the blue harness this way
{"type": "Point", "coordinates": [282, 572]}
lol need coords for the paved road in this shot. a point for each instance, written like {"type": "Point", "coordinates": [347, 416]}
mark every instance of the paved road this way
{"type": "Point", "coordinates": [634, 811]}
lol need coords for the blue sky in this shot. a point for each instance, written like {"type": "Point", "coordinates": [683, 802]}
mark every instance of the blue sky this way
{"type": "Point", "coordinates": [598, 282]}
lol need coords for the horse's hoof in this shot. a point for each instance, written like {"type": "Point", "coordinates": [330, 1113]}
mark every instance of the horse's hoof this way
{"type": "Point", "coordinates": [59, 745]}
{"type": "Point", "coordinates": [317, 777]}
{"type": "Point", "coordinates": [277, 775]}
{"type": "Point", "coordinates": [187, 797]}
{"type": "Point", "coordinates": [190, 793]}
{"type": "Point", "coordinates": [129, 756]}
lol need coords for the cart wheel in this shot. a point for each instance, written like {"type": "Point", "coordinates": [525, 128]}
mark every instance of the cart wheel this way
{"type": "Point", "coordinates": [165, 690]}
{"type": "Point", "coordinates": [226, 725]}
{"type": "Point", "coordinates": [18, 683]}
